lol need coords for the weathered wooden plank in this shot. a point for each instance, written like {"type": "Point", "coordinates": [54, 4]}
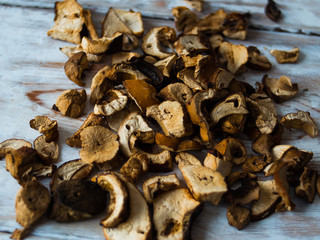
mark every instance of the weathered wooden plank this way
{"type": "Point", "coordinates": [32, 77]}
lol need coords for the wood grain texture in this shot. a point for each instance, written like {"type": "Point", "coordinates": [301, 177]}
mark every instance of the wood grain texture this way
{"type": "Point", "coordinates": [32, 77]}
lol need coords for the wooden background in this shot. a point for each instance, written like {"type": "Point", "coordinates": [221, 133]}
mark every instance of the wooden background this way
{"type": "Point", "coordinates": [32, 77]}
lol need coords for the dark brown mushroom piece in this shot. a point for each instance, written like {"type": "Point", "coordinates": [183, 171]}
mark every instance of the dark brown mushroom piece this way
{"type": "Point", "coordinates": [235, 26]}
{"type": "Point", "coordinates": [256, 61]}
{"type": "Point", "coordinates": [232, 149]}
{"type": "Point", "coordinates": [236, 57]}
{"type": "Point", "coordinates": [112, 102]}
{"type": "Point", "coordinates": [238, 216]}
{"type": "Point", "coordinates": [166, 65]}
{"type": "Point", "coordinates": [32, 202]}
{"type": "Point", "coordinates": [300, 120]}
{"type": "Point", "coordinates": [177, 92]}
{"type": "Point", "coordinates": [76, 200]}
{"type": "Point", "coordinates": [195, 4]}
{"type": "Point", "coordinates": [307, 187]}
{"type": "Point", "coordinates": [184, 18]}
{"type": "Point", "coordinates": [216, 161]}
{"type": "Point", "coordinates": [290, 56]}
{"type": "Point", "coordinates": [135, 166]}
{"type": "Point", "coordinates": [71, 102]}
{"type": "Point", "coordinates": [75, 66]}
{"type": "Point", "coordinates": [11, 145]}
{"type": "Point", "coordinates": [191, 44]}
{"type": "Point", "coordinates": [46, 126]}
{"type": "Point", "coordinates": [255, 163]}
{"type": "Point", "coordinates": [272, 11]}
{"type": "Point", "coordinates": [211, 23]}
{"type": "Point", "coordinates": [177, 145]}
{"type": "Point", "coordinates": [220, 79]}
{"type": "Point", "coordinates": [122, 56]}
{"type": "Point", "coordinates": [48, 152]}
{"type": "Point", "coordinates": [173, 212]}
{"type": "Point", "coordinates": [234, 123]}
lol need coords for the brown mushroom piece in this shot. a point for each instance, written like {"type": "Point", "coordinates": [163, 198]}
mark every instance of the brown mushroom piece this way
{"type": "Point", "coordinates": [75, 66]}
{"type": "Point", "coordinates": [281, 89]}
{"type": "Point", "coordinates": [236, 56]}
{"type": "Point", "coordinates": [177, 145]}
{"type": "Point", "coordinates": [184, 159]}
{"type": "Point", "coordinates": [46, 126]}
{"type": "Point", "coordinates": [177, 92]}
{"type": "Point", "coordinates": [300, 120]}
{"type": "Point", "coordinates": [215, 41]}
{"type": "Point", "coordinates": [119, 200]}
{"type": "Point", "coordinates": [235, 26]}
{"type": "Point", "coordinates": [232, 149]}
{"type": "Point", "coordinates": [216, 161]}
{"type": "Point", "coordinates": [272, 11]}
{"type": "Point", "coordinates": [187, 77]}
{"type": "Point", "coordinates": [135, 166]}
{"type": "Point", "coordinates": [190, 44]}
{"type": "Point", "coordinates": [11, 145]}
{"type": "Point", "coordinates": [195, 4]}
{"type": "Point", "coordinates": [256, 61]}
{"type": "Point", "coordinates": [204, 183]}
{"type": "Point", "coordinates": [160, 162]}
{"type": "Point", "coordinates": [72, 22]}
{"type": "Point", "coordinates": [255, 163]}
{"type": "Point", "coordinates": [221, 79]}
{"type": "Point", "coordinates": [154, 186]}
{"type": "Point", "coordinates": [69, 51]}
{"type": "Point", "coordinates": [211, 23]}
{"type": "Point", "coordinates": [138, 224]}
{"type": "Point", "coordinates": [100, 146]}
{"type": "Point", "coordinates": [125, 57]}
{"type": "Point", "coordinates": [166, 65]}
{"type": "Point", "coordinates": [113, 101]}
{"type": "Point", "coordinates": [267, 202]}
{"type": "Point", "coordinates": [71, 102]}
{"type": "Point", "coordinates": [238, 216]}
{"type": "Point", "coordinates": [290, 56]}
{"type": "Point", "coordinates": [307, 187]}
{"type": "Point", "coordinates": [173, 214]}
{"type": "Point", "coordinates": [48, 152]}
{"type": "Point", "coordinates": [32, 201]}
{"type": "Point", "coordinates": [234, 123]}
{"type": "Point", "coordinates": [76, 200]}
{"type": "Point", "coordinates": [184, 18]}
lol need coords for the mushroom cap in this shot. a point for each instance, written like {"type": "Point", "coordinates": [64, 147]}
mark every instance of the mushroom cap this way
{"type": "Point", "coordinates": [290, 56]}
{"type": "Point", "coordinates": [48, 152]}
{"type": "Point", "coordinates": [12, 144]}
{"type": "Point", "coordinates": [75, 66]}
{"type": "Point", "coordinates": [46, 126]}
{"type": "Point", "coordinates": [71, 102]}
{"type": "Point", "coordinates": [102, 45]}
{"type": "Point", "coordinates": [256, 61]}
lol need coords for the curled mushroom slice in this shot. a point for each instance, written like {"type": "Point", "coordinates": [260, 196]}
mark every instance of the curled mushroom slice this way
{"type": "Point", "coordinates": [307, 186]}
{"type": "Point", "coordinates": [255, 163]}
{"type": "Point", "coordinates": [45, 126]}
{"type": "Point", "coordinates": [190, 44]}
{"type": "Point", "coordinates": [71, 102]}
{"type": "Point", "coordinates": [32, 201]}
{"type": "Point", "coordinates": [300, 120]}
{"type": "Point", "coordinates": [216, 161]}
{"type": "Point", "coordinates": [75, 66]}
{"type": "Point", "coordinates": [235, 26]}
{"type": "Point", "coordinates": [233, 123]}
{"type": "Point", "coordinates": [177, 145]}
{"type": "Point", "coordinates": [177, 92]}
{"type": "Point", "coordinates": [48, 152]}
{"type": "Point", "coordinates": [272, 11]}
{"type": "Point", "coordinates": [281, 89]}
{"type": "Point", "coordinates": [138, 224]}
{"type": "Point", "coordinates": [232, 149]}
{"type": "Point", "coordinates": [153, 186]}
{"type": "Point", "coordinates": [256, 61]}
{"type": "Point", "coordinates": [184, 18]}
{"type": "Point", "coordinates": [100, 146]}
{"type": "Point", "coordinates": [221, 79]}
{"type": "Point", "coordinates": [187, 76]}
{"type": "Point", "coordinates": [238, 216]}
{"type": "Point", "coordinates": [290, 56]}
{"type": "Point", "coordinates": [135, 166]}
{"type": "Point", "coordinates": [11, 145]}
{"type": "Point", "coordinates": [166, 65]}
{"type": "Point", "coordinates": [235, 55]}
{"type": "Point", "coordinates": [195, 4]}
{"type": "Point", "coordinates": [173, 214]}
{"type": "Point", "coordinates": [119, 200]}
{"type": "Point", "coordinates": [69, 51]}
{"type": "Point", "coordinates": [120, 57]}
{"type": "Point", "coordinates": [160, 162]}
{"type": "Point", "coordinates": [113, 101]}
{"type": "Point", "coordinates": [211, 23]}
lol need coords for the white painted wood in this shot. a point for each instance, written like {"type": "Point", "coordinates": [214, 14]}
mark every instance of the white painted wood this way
{"type": "Point", "coordinates": [32, 65]}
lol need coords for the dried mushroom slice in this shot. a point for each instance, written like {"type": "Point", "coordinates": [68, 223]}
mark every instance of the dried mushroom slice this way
{"type": "Point", "coordinates": [119, 200]}
{"type": "Point", "coordinates": [300, 120]}
{"type": "Point", "coordinates": [177, 145]}
{"type": "Point", "coordinates": [232, 149]}
{"type": "Point", "coordinates": [307, 187]}
{"type": "Point", "coordinates": [125, 57]}
{"type": "Point", "coordinates": [177, 92]}
{"type": "Point", "coordinates": [32, 201]}
{"type": "Point", "coordinates": [46, 126]}
{"type": "Point", "coordinates": [166, 65]}
{"type": "Point", "coordinates": [187, 76]}
{"type": "Point", "coordinates": [233, 123]}
{"type": "Point", "coordinates": [281, 89]}
{"type": "Point", "coordinates": [267, 202]}
{"type": "Point", "coordinates": [272, 11]}
{"type": "Point", "coordinates": [290, 56]}
{"type": "Point", "coordinates": [235, 26]}
{"type": "Point", "coordinates": [76, 200]}
{"type": "Point", "coordinates": [195, 4]}
{"type": "Point", "coordinates": [75, 66]}
{"type": "Point", "coordinates": [235, 55]}
{"type": "Point", "coordinates": [255, 163]}
{"type": "Point", "coordinates": [138, 224]}
{"type": "Point", "coordinates": [71, 102]}
{"type": "Point", "coordinates": [184, 18]}
{"type": "Point", "coordinates": [173, 212]}
{"type": "Point", "coordinates": [238, 216]}
{"type": "Point", "coordinates": [102, 45]}
{"type": "Point", "coordinates": [48, 152]}
{"type": "Point", "coordinates": [12, 144]}
{"type": "Point", "coordinates": [113, 101]}
{"type": "Point", "coordinates": [212, 23]}
{"type": "Point", "coordinates": [100, 146]}
{"type": "Point", "coordinates": [69, 51]}
{"type": "Point", "coordinates": [72, 22]}
{"type": "Point", "coordinates": [190, 44]}
{"type": "Point", "coordinates": [217, 162]}
{"type": "Point", "coordinates": [160, 162]}
{"type": "Point", "coordinates": [204, 183]}
{"type": "Point", "coordinates": [154, 186]}
{"type": "Point", "coordinates": [135, 166]}
{"type": "Point", "coordinates": [221, 79]}
{"type": "Point", "coordinates": [186, 159]}
{"type": "Point", "coordinates": [256, 61]}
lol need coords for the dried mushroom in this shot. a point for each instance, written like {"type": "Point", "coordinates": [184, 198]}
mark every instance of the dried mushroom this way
{"type": "Point", "coordinates": [177, 145]}
{"type": "Point", "coordinates": [195, 4]}
{"type": "Point", "coordinates": [45, 126]}
{"type": "Point", "coordinates": [281, 89]}
{"type": "Point", "coordinates": [211, 23]}
{"type": "Point", "coordinates": [113, 101]}
{"type": "Point", "coordinates": [69, 51]}
{"type": "Point", "coordinates": [232, 149]}
{"type": "Point", "coordinates": [238, 216]}
{"type": "Point", "coordinates": [290, 56]}
{"type": "Point", "coordinates": [177, 92]}
{"type": "Point", "coordinates": [138, 224]}
{"type": "Point", "coordinates": [190, 44]}
{"type": "Point", "coordinates": [256, 61]}
{"type": "Point", "coordinates": [32, 201]}
{"type": "Point", "coordinates": [119, 200]}
{"type": "Point", "coordinates": [135, 166]}
{"type": "Point", "coordinates": [216, 161]}
{"type": "Point", "coordinates": [184, 159]}
{"type": "Point", "coordinates": [300, 120]}
{"type": "Point", "coordinates": [75, 66]}
{"type": "Point", "coordinates": [173, 212]}
{"type": "Point", "coordinates": [48, 152]}
{"type": "Point", "coordinates": [255, 163]}
{"type": "Point", "coordinates": [235, 26]}
{"type": "Point", "coordinates": [307, 187]}
{"type": "Point", "coordinates": [76, 200]}
{"type": "Point", "coordinates": [166, 65]}
{"type": "Point", "coordinates": [154, 186]}
{"type": "Point", "coordinates": [272, 11]}
{"type": "Point", "coordinates": [184, 18]}
{"type": "Point", "coordinates": [160, 162]}
{"type": "Point", "coordinates": [236, 56]}
{"type": "Point", "coordinates": [221, 79]}
{"type": "Point", "coordinates": [71, 102]}
{"type": "Point", "coordinates": [72, 22]}
{"type": "Point", "coordinates": [100, 146]}
{"type": "Point", "coordinates": [102, 45]}
{"type": "Point", "coordinates": [12, 144]}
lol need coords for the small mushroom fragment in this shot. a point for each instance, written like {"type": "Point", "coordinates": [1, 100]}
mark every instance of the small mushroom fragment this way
{"type": "Point", "coordinates": [204, 183]}
{"type": "Point", "coordinates": [236, 56]}
{"type": "Point", "coordinates": [184, 159]}
{"type": "Point", "coordinates": [72, 22]}
{"type": "Point", "coordinates": [256, 61]}
{"type": "Point", "coordinates": [267, 202]}
{"type": "Point", "coordinates": [32, 201]}
{"type": "Point", "coordinates": [172, 118]}
{"type": "Point", "coordinates": [48, 152]}
{"type": "Point", "coordinates": [166, 65]}
{"type": "Point", "coordinates": [307, 187]}
{"type": "Point", "coordinates": [235, 26]}
{"type": "Point", "coordinates": [290, 56]}
{"type": "Point", "coordinates": [190, 44]}
{"type": "Point", "coordinates": [232, 149]}
{"type": "Point", "coordinates": [75, 66]}
{"type": "Point", "coordinates": [45, 126]}
{"type": "Point", "coordinates": [216, 161]}
{"type": "Point", "coordinates": [195, 4]}
{"type": "Point", "coordinates": [173, 214]}
{"type": "Point", "coordinates": [184, 18]}
{"type": "Point", "coordinates": [138, 224]}
{"type": "Point", "coordinates": [100, 146]}
{"type": "Point", "coordinates": [11, 145]}
{"type": "Point", "coordinates": [238, 216]}
{"type": "Point", "coordinates": [272, 11]}
{"type": "Point", "coordinates": [119, 200]}
{"type": "Point", "coordinates": [233, 123]}
{"type": "Point", "coordinates": [177, 145]}
{"type": "Point", "coordinates": [255, 163]}
{"type": "Point", "coordinates": [215, 41]}
{"type": "Point", "coordinates": [300, 120]}
{"type": "Point", "coordinates": [221, 79]}
{"type": "Point", "coordinates": [187, 76]}
{"type": "Point", "coordinates": [160, 162]}
{"type": "Point", "coordinates": [113, 101]}
{"type": "Point", "coordinates": [71, 102]}
{"type": "Point", "coordinates": [125, 71]}
{"type": "Point", "coordinates": [135, 166]}
{"type": "Point", "coordinates": [121, 57]}
{"type": "Point", "coordinates": [153, 186]}
{"type": "Point", "coordinates": [75, 200]}
{"type": "Point", "coordinates": [281, 89]}
{"type": "Point", "coordinates": [177, 92]}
